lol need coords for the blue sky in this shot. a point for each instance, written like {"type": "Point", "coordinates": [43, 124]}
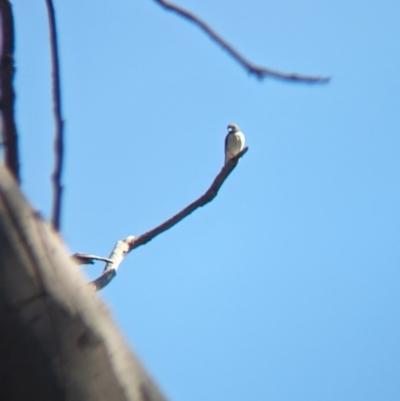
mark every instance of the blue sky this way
{"type": "Point", "coordinates": [286, 286]}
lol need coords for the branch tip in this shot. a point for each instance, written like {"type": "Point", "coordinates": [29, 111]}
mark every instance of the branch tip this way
{"type": "Point", "coordinates": [260, 72]}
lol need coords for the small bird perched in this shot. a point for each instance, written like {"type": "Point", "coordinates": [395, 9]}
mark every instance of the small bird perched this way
{"type": "Point", "coordinates": [234, 142]}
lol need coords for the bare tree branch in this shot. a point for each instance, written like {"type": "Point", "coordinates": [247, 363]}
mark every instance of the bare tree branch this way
{"type": "Point", "coordinates": [59, 123]}
{"type": "Point", "coordinates": [123, 247]}
{"type": "Point", "coordinates": [8, 127]}
{"type": "Point", "coordinates": [118, 254]}
{"type": "Point", "coordinates": [86, 259]}
{"type": "Point", "coordinates": [259, 72]}
{"type": "Point", "coordinates": [209, 195]}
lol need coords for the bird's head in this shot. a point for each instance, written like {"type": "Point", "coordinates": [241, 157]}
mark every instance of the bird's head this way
{"type": "Point", "coordinates": [233, 128]}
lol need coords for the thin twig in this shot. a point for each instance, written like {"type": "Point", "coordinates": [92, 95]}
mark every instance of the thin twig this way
{"type": "Point", "coordinates": [86, 259]}
{"type": "Point", "coordinates": [59, 123]}
{"type": "Point", "coordinates": [123, 247]}
{"type": "Point", "coordinates": [8, 128]}
{"type": "Point", "coordinates": [259, 72]}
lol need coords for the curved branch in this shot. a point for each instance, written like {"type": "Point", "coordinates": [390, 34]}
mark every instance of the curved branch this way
{"type": "Point", "coordinates": [259, 72]}
{"type": "Point", "coordinates": [59, 135]}
{"type": "Point", "coordinates": [124, 246]}
{"type": "Point", "coordinates": [209, 195]}
{"type": "Point", "coordinates": [7, 94]}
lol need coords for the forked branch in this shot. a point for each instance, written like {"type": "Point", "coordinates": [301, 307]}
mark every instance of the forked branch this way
{"type": "Point", "coordinates": [123, 247]}
{"type": "Point", "coordinates": [259, 72]}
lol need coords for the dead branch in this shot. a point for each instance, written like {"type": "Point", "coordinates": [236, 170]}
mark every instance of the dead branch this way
{"type": "Point", "coordinates": [210, 194]}
{"type": "Point", "coordinates": [124, 246]}
{"type": "Point", "coordinates": [118, 254]}
{"type": "Point", "coordinates": [86, 259]}
{"type": "Point", "coordinates": [59, 123]}
{"type": "Point", "coordinates": [259, 72]}
{"type": "Point", "coordinates": [7, 94]}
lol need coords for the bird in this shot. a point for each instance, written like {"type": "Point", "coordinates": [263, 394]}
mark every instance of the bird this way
{"type": "Point", "coordinates": [234, 142]}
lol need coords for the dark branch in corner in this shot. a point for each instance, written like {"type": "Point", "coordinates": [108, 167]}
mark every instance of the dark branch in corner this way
{"type": "Point", "coordinates": [59, 123]}
{"type": "Point", "coordinates": [259, 72]}
{"type": "Point", "coordinates": [7, 94]}
{"type": "Point", "coordinates": [123, 247]}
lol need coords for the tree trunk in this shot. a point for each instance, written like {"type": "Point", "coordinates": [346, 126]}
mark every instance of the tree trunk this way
{"type": "Point", "coordinates": [57, 338]}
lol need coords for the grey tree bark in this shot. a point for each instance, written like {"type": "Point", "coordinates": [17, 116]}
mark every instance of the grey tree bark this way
{"type": "Point", "coordinates": [57, 338]}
